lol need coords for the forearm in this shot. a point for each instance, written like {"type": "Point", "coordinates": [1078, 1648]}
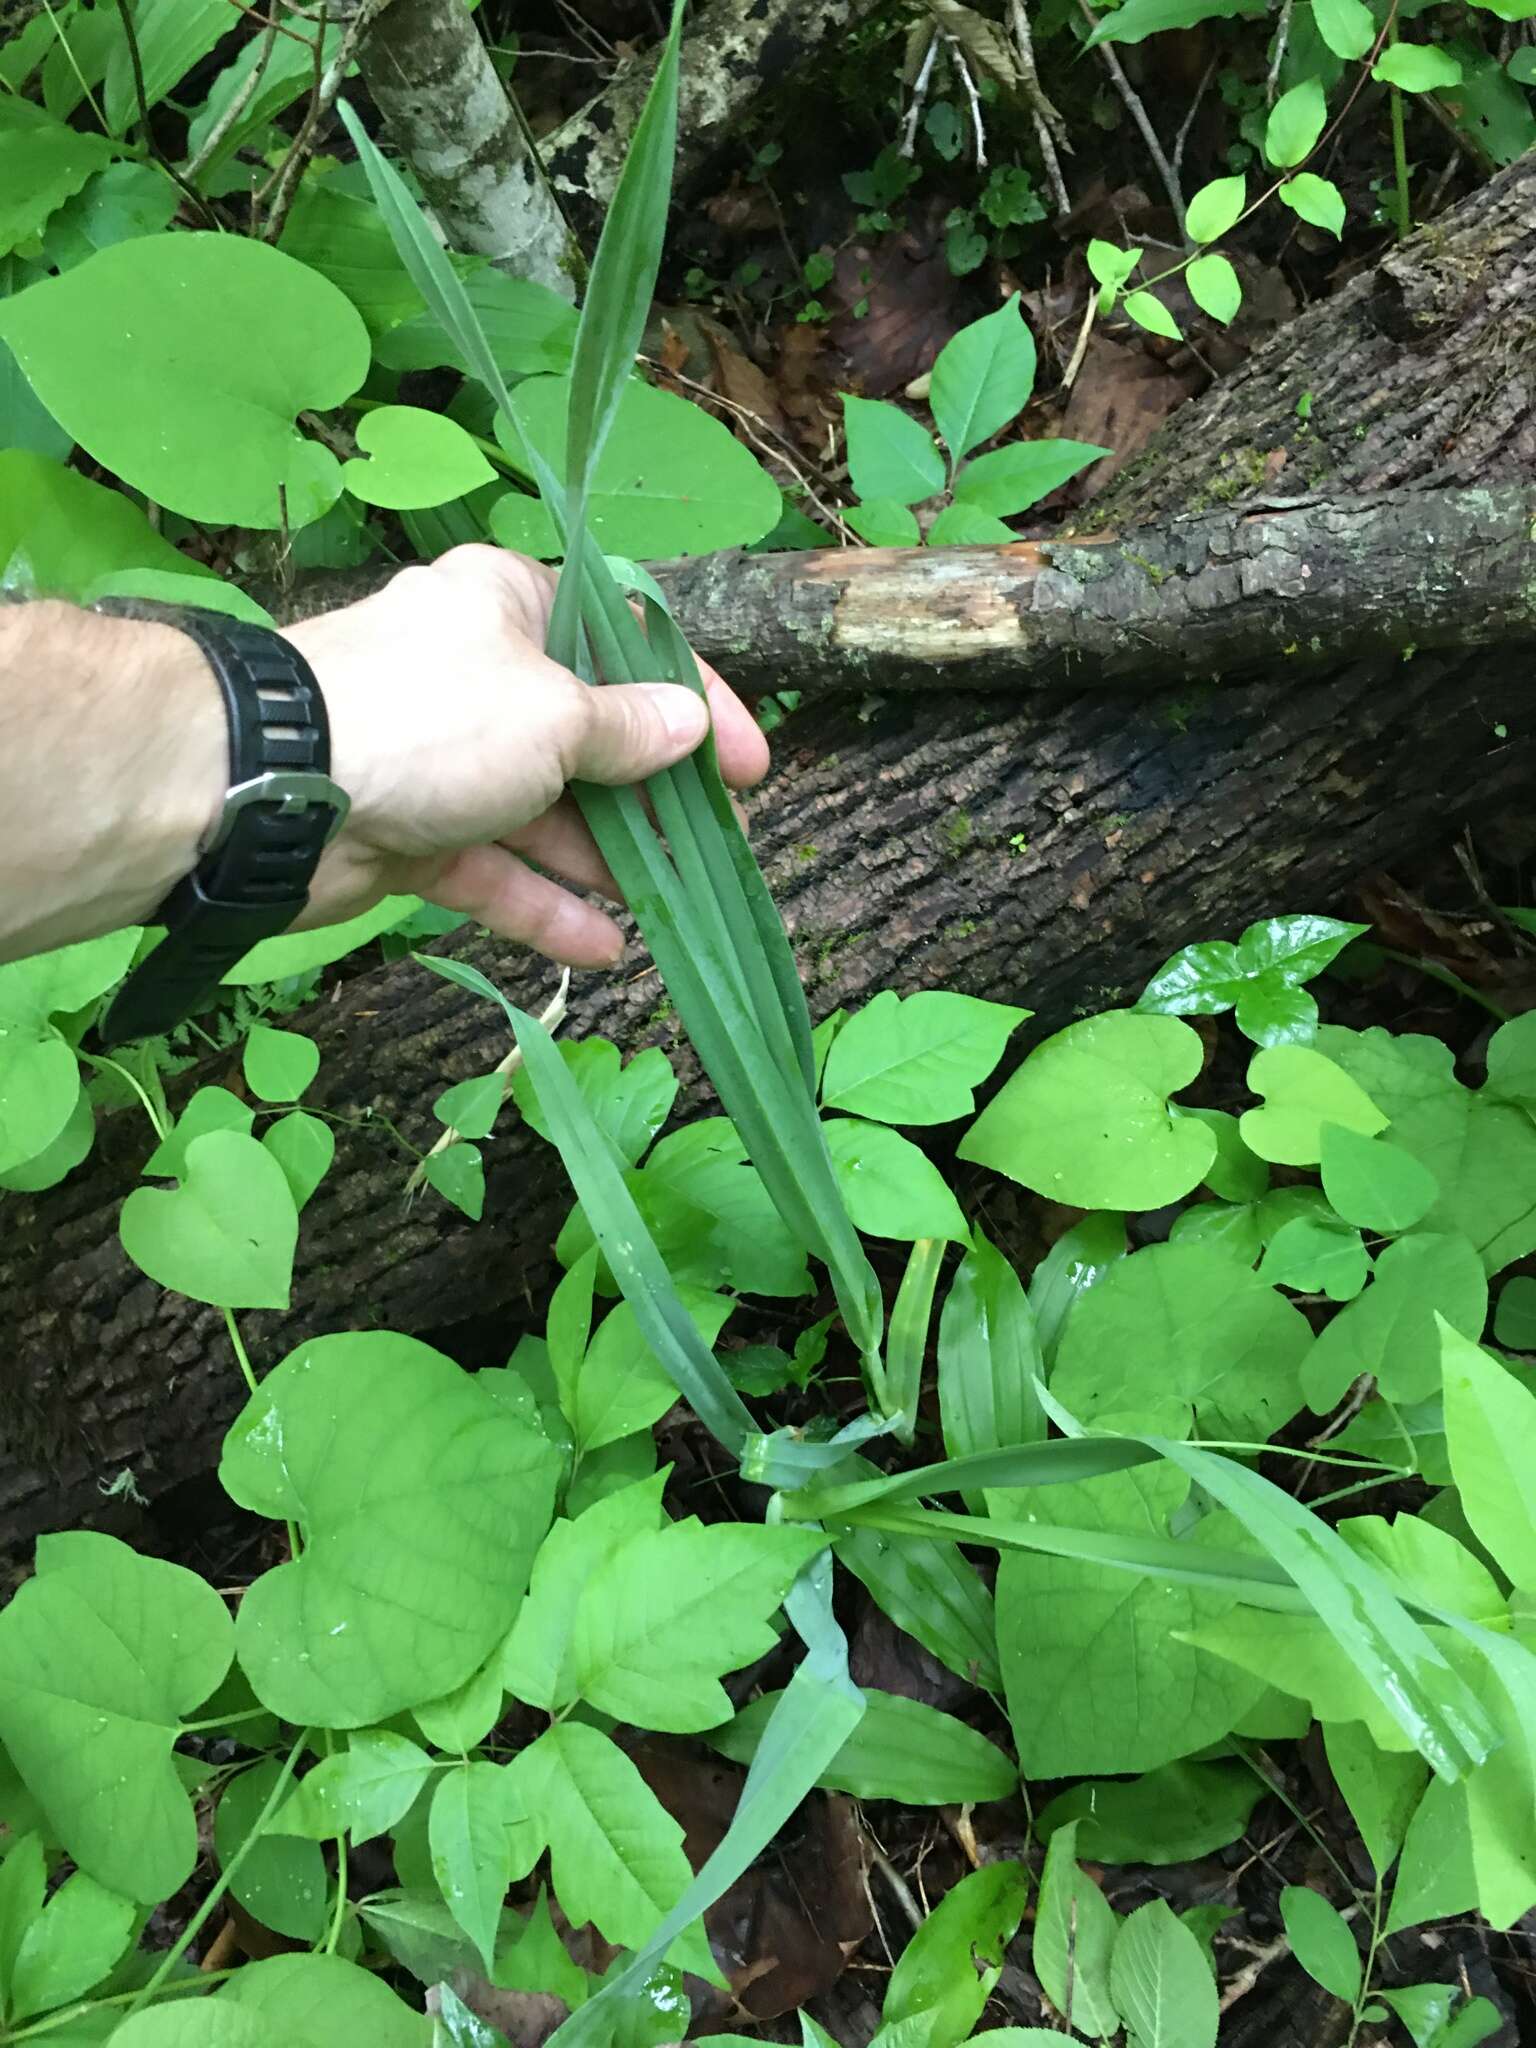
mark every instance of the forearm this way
{"type": "Point", "coordinates": [114, 759]}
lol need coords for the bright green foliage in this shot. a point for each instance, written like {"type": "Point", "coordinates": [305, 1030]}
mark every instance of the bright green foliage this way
{"type": "Point", "coordinates": [616, 1384]}
{"type": "Point", "coordinates": [989, 1356]}
{"type": "Point", "coordinates": [39, 1078]}
{"type": "Point", "coordinates": [890, 458]}
{"type": "Point", "coordinates": [65, 1947]}
{"type": "Point", "coordinates": [302, 952]}
{"type": "Point", "coordinates": [206, 2024]}
{"type": "Point", "coordinates": [1075, 1929]}
{"type": "Point", "coordinates": [1214, 287]}
{"type": "Point", "coordinates": [900, 1750]}
{"type": "Point", "coordinates": [1303, 1092]}
{"type": "Point", "coordinates": [280, 1881]}
{"type": "Point", "coordinates": [286, 74]}
{"type": "Point", "coordinates": [279, 1065]}
{"type": "Point", "coordinates": [1138, 19]}
{"type": "Point", "coordinates": [227, 1234]}
{"type": "Point", "coordinates": [1514, 1322]}
{"type": "Point", "coordinates": [193, 413]}
{"type": "Point", "coordinates": [1215, 208]}
{"type": "Point", "coordinates": [1314, 199]}
{"type": "Point", "coordinates": [1179, 1323]}
{"type": "Point", "coordinates": [101, 1657]}
{"type": "Point", "coordinates": [409, 458]}
{"type": "Point", "coordinates": [362, 1790]}
{"type": "Point", "coordinates": [933, 1593]}
{"type": "Point", "coordinates": [1321, 1941]}
{"type": "Point", "coordinates": [472, 1848]}
{"type": "Point", "coordinates": [1417, 67]}
{"type": "Point", "coordinates": [1372, 1184]}
{"type": "Point", "coordinates": [1175, 1814]}
{"type": "Point", "coordinates": [59, 532]}
{"type": "Point", "coordinates": [1346, 26]}
{"type": "Point", "coordinates": [1161, 1983]}
{"type": "Point", "coordinates": [1077, 1261]}
{"type": "Point", "coordinates": [303, 1147]}
{"type": "Point", "coordinates": [1295, 122]}
{"type": "Point", "coordinates": [1013, 478]}
{"type": "Point", "coordinates": [982, 379]}
{"type": "Point", "coordinates": [323, 1998]}
{"type": "Point", "coordinates": [946, 1973]}
{"type": "Point", "coordinates": [42, 162]}
{"type": "Point", "coordinates": [1148, 311]}
{"type": "Point", "coordinates": [171, 35]}
{"type": "Point", "coordinates": [1426, 2011]}
{"type": "Point", "coordinates": [420, 1520]}
{"type": "Point", "coordinates": [529, 330]}
{"type": "Point", "coordinates": [1110, 266]}
{"type": "Point", "coordinates": [1490, 1427]}
{"type": "Point", "coordinates": [964, 526]}
{"type": "Point", "coordinates": [1391, 1330]}
{"type": "Point", "coordinates": [1381, 1788]}
{"type": "Point", "coordinates": [883, 523]}
{"type": "Point", "coordinates": [890, 1187]}
{"type": "Point", "coordinates": [459, 1177]}
{"type": "Point", "coordinates": [209, 1109]}
{"type": "Point", "coordinates": [630, 1100]}
{"type": "Point", "coordinates": [1095, 1678]}
{"type": "Point", "coordinates": [1086, 1119]}
{"type": "Point", "coordinates": [1260, 977]}
{"type": "Point", "coordinates": [470, 1107]}
{"type": "Point", "coordinates": [916, 1059]}
{"type": "Point", "coordinates": [1316, 1254]}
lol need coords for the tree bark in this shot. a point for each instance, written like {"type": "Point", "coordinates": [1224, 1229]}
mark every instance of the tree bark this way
{"type": "Point", "coordinates": [1048, 849]}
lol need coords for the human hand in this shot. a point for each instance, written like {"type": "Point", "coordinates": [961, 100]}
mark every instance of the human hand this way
{"type": "Point", "coordinates": [454, 735]}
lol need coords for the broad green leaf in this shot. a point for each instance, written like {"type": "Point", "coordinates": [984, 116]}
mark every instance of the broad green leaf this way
{"type": "Point", "coordinates": [1392, 1330]}
{"type": "Point", "coordinates": [39, 1078]}
{"type": "Point", "coordinates": [421, 1503]}
{"type": "Point", "coordinates": [1095, 1678]}
{"type": "Point", "coordinates": [1514, 1320]}
{"type": "Point", "coordinates": [1177, 1322]}
{"type": "Point", "coordinates": [1174, 1814]}
{"type": "Point", "coordinates": [706, 1163]}
{"type": "Point", "coordinates": [616, 1854]}
{"type": "Point", "coordinates": [1295, 122]}
{"type": "Point", "coordinates": [1205, 979]}
{"type": "Point", "coordinates": [226, 1235]}
{"type": "Point", "coordinates": [933, 1593]}
{"type": "Point", "coordinates": [459, 1177]}
{"type": "Point", "coordinates": [1148, 311]}
{"type": "Point", "coordinates": [1347, 26]}
{"type": "Point", "coordinates": [966, 526]}
{"type": "Point", "coordinates": [1214, 287]}
{"type": "Point", "coordinates": [1138, 19]}
{"type": "Point", "coordinates": [294, 953]}
{"type": "Point", "coordinates": [891, 1188]}
{"type": "Point", "coordinates": [410, 458]}
{"type": "Point", "coordinates": [946, 1973]}
{"type": "Point", "coordinates": [209, 1109]}
{"type": "Point", "coordinates": [900, 1750]}
{"type": "Point", "coordinates": [620, 1385]}
{"type": "Point", "coordinates": [26, 423]}
{"type": "Point", "coordinates": [124, 200]}
{"type": "Point", "coordinates": [287, 73]}
{"type": "Point", "coordinates": [891, 459]}
{"type": "Point", "coordinates": [1011, 479]}
{"type": "Point", "coordinates": [70, 1946]}
{"type": "Point", "coordinates": [42, 162]}
{"type": "Point", "coordinates": [362, 1790]}
{"type": "Point", "coordinates": [1077, 1261]}
{"type": "Point", "coordinates": [23, 1878]}
{"type": "Point", "coordinates": [883, 524]}
{"type": "Point", "coordinates": [1110, 266]}
{"type": "Point", "coordinates": [1161, 1982]}
{"type": "Point", "coordinates": [194, 2023]}
{"type": "Point", "coordinates": [1303, 1091]}
{"type": "Point", "coordinates": [1490, 1433]}
{"type": "Point", "coordinates": [1314, 199]}
{"type": "Point", "coordinates": [304, 1147]}
{"type": "Point", "coordinates": [1236, 1174]}
{"type": "Point", "coordinates": [472, 1849]}
{"type": "Point", "coordinates": [1426, 2009]}
{"type": "Point", "coordinates": [281, 1881]}
{"type": "Point", "coordinates": [1381, 1788]}
{"type": "Point", "coordinates": [529, 330]}
{"type": "Point", "coordinates": [1316, 1255]}
{"type": "Point", "coordinates": [298, 2000]}
{"type": "Point", "coordinates": [171, 36]}
{"type": "Point", "coordinates": [163, 587]}
{"type": "Point", "coordinates": [1215, 208]}
{"type": "Point", "coordinates": [464, 1717]}
{"type": "Point", "coordinates": [673, 1610]}
{"type": "Point", "coordinates": [1416, 67]}
{"type": "Point", "coordinates": [1086, 1119]}
{"type": "Point", "coordinates": [102, 1655]}
{"type": "Point", "coordinates": [1321, 1941]}
{"type": "Point", "coordinates": [279, 1065]}
{"type": "Point", "coordinates": [916, 1059]}
{"type": "Point", "coordinates": [982, 379]}
{"type": "Point", "coordinates": [1373, 1184]}
{"type": "Point", "coordinates": [346, 240]}
{"type": "Point", "coordinates": [670, 481]}
{"type": "Point", "coordinates": [470, 1107]}
{"type": "Point", "coordinates": [630, 1101]}
{"type": "Point", "coordinates": [1411, 1439]}
{"type": "Point", "coordinates": [1075, 1929]}
{"type": "Point", "coordinates": [1435, 1879]}
{"type": "Point", "coordinates": [199, 411]}
{"type": "Point", "coordinates": [1511, 1059]}
{"type": "Point", "coordinates": [989, 1356]}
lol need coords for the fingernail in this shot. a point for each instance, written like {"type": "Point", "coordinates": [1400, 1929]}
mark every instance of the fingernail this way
{"type": "Point", "coordinates": [682, 713]}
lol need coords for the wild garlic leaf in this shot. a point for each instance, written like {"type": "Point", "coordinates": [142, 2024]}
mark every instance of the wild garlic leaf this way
{"type": "Point", "coordinates": [102, 1656]}
{"type": "Point", "coordinates": [901, 1749]}
{"type": "Point", "coordinates": [420, 1501]}
{"type": "Point", "coordinates": [629, 1098]}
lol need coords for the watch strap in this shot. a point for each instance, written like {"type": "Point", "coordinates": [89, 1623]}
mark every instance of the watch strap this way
{"type": "Point", "coordinates": [253, 873]}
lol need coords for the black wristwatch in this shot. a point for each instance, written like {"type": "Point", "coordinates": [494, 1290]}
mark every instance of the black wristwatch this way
{"type": "Point", "coordinates": [253, 874]}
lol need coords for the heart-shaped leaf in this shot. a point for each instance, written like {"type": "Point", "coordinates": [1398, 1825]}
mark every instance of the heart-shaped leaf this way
{"type": "Point", "coordinates": [421, 1501]}
{"type": "Point", "coordinates": [216, 343]}
{"type": "Point", "coordinates": [1086, 1119]}
{"type": "Point", "coordinates": [412, 458]}
{"type": "Point", "coordinates": [101, 1655]}
{"type": "Point", "coordinates": [226, 1235]}
{"type": "Point", "coordinates": [1303, 1091]}
{"type": "Point", "coordinates": [1375, 1185]}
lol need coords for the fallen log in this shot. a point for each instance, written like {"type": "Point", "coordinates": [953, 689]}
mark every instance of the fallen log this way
{"type": "Point", "coordinates": [1039, 847]}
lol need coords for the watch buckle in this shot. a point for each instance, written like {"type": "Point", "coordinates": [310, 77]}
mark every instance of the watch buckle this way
{"type": "Point", "coordinates": [291, 790]}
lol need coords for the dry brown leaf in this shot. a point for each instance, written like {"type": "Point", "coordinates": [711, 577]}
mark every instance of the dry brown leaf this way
{"type": "Point", "coordinates": [904, 284]}
{"type": "Point", "coordinates": [1121, 397]}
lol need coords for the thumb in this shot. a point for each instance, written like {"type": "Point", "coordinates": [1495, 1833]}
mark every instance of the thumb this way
{"type": "Point", "coordinates": [630, 730]}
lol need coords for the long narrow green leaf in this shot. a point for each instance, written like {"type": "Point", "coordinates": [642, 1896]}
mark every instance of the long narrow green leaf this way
{"type": "Point", "coordinates": [627, 1244]}
{"type": "Point", "coordinates": [1062, 1461]}
{"type": "Point", "coordinates": [815, 1715]}
{"type": "Point", "coordinates": [907, 1343]}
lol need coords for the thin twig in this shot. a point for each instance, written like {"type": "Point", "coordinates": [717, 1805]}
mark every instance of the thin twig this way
{"type": "Point", "coordinates": [898, 1885]}
{"type": "Point", "coordinates": [908, 142]}
{"type": "Point", "coordinates": [1080, 348]}
{"type": "Point", "coordinates": [130, 36]}
{"type": "Point", "coordinates": [552, 1018]}
{"type": "Point", "coordinates": [958, 58]}
{"type": "Point", "coordinates": [1034, 93]}
{"type": "Point", "coordinates": [236, 109]}
{"type": "Point", "coordinates": [1140, 116]}
{"type": "Point", "coordinates": [1048, 157]}
{"type": "Point", "coordinates": [322, 99]}
{"type": "Point", "coordinates": [1282, 39]}
{"type": "Point", "coordinates": [1188, 121]}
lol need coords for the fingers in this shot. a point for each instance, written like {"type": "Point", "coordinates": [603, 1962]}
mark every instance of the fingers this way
{"type": "Point", "coordinates": [739, 739]}
{"type": "Point", "coordinates": [560, 841]}
{"type": "Point", "coordinates": [624, 732]}
{"type": "Point", "coordinates": [495, 888]}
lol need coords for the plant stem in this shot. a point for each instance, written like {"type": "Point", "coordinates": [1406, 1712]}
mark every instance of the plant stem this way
{"type": "Point", "coordinates": [1399, 141]}
{"type": "Point", "coordinates": [238, 1345]}
{"type": "Point", "coordinates": [99, 1059]}
{"type": "Point", "coordinates": [68, 2013]}
{"type": "Point", "coordinates": [199, 1920]}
